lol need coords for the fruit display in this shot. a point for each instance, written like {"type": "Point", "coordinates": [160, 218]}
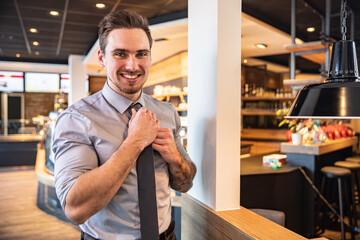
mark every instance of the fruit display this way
{"type": "Point", "coordinates": [317, 132]}
{"type": "Point", "coordinates": [337, 131]}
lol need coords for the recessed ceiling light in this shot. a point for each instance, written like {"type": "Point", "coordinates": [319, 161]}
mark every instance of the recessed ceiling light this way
{"type": "Point", "coordinates": [35, 43]}
{"type": "Point", "coordinates": [245, 61]}
{"type": "Point", "coordinates": [310, 29]}
{"type": "Point", "coordinates": [33, 30]}
{"type": "Point", "coordinates": [37, 53]}
{"type": "Point", "coordinates": [100, 5]}
{"type": "Point", "coordinates": [54, 13]}
{"type": "Point", "coordinates": [17, 55]}
{"type": "Point", "coordinates": [261, 45]}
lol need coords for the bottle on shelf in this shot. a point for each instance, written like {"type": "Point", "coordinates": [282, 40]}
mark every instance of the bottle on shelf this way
{"type": "Point", "coordinates": [246, 90]}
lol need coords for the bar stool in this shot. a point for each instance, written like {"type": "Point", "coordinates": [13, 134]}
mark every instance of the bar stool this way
{"type": "Point", "coordinates": [342, 175]}
{"type": "Point", "coordinates": [354, 159]}
{"type": "Point", "coordinates": [355, 172]}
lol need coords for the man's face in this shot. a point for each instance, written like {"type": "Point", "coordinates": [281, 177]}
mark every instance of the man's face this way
{"type": "Point", "coordinates": [127, 61]}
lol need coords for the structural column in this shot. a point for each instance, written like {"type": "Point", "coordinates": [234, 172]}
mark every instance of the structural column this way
{"type": "Point", "coordinates": [77, 72]}
{"type": "Point", "coordinates": [214, 76]}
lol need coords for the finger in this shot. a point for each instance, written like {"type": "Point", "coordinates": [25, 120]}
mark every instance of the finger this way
{"type": "Point", "coordinates": [153, 116]}
{"type": "Point", "coordinates": [133, 111]}
{"type": "Point", "coordinates": [158, 123]}
{"type": "Point", "coordinates": [157, 147]}
{"type": "Point", "coordinates": [160, 141]}
{"type": "Point", "coordinates": [164, 133]}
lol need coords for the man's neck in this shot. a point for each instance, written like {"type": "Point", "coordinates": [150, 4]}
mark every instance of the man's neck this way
{"type": "Point", "coordinates": [133, 97]}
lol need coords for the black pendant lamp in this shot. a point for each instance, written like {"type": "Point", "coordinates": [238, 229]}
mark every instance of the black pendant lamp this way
{"type": "Point", "coordinates": [339, 96]}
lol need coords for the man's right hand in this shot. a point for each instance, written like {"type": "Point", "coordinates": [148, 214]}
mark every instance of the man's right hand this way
{"type": "Point", "coordinates": [143, 127]}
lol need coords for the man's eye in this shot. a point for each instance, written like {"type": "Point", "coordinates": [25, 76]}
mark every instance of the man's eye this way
{"type": "Point", "coordinates": [142, 54]}
{"type": "Point", "coordinates": [120, 54]}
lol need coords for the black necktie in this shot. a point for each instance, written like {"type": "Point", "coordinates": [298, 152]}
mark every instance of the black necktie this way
{"type": "Point", "coordinates": [146, 191]}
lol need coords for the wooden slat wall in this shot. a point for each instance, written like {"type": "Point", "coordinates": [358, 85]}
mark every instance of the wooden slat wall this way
{"type": "Point", "coordinates": [20, 218]}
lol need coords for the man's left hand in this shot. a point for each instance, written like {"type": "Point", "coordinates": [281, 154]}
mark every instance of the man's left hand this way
{"type": "Point", "coordinates": [164, 143]}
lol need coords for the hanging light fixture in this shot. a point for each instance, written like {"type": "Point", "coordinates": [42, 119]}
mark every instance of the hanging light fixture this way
{"type": "Point", "coordinates": [339, 96]}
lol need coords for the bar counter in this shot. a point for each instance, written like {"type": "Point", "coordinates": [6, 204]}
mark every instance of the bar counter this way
{"type": "Point", "coordinates": [275, 189]}
{"type": "Point", "coordinates": [18, 149]}
{"type": "Point", "coordinates": [312, 158]}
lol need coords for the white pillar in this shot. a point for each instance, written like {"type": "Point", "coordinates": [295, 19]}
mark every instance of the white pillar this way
{"type": "Point", "coordinates": [77, 72]}
{"type": "Point", "coordinates": [214, 77]}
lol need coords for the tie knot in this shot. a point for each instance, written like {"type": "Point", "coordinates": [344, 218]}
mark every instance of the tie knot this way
{"type": "Point", "coordinates": [136, 106]}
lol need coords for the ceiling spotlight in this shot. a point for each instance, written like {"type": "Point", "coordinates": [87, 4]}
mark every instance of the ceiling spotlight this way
{"type": "Point", "coordinates": [54, 13]}
{"type": "Point", "coordinates": [100, 5]}
{"type": "Point", "coordinates": [245, 60]}
{"type": "Point", "coordinates": [310, 29]}
{"type": "Point", "coordinates": [35, 43]}
{"type": "Point", "coordinates": [33, 30]}
{"type": "Point", "coordinates": [37, 53]}
{"type": "Point", "coordinates": [17, 55]}
{"type": "Point", "coordinates": [261, 45]}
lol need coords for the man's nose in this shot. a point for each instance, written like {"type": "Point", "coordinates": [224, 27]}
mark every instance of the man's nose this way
{"type": "Point", "coordinates": [131, 63]}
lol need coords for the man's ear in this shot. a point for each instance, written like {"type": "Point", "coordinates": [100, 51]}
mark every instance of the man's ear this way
{"type": "Point", "coordinates": [101, 58]}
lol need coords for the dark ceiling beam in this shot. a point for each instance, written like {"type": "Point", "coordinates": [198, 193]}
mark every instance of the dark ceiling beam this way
{"type": "Point", "coordinates": [314, 9]}
{"type": "Point", "coordinates": [164, 6]}
{"type": "Point", "coordinates": [115, 6]}
{"type": "Point", "coordinates": [22, 27]}
{"type": "Point", "coordinates": [149, 7]}
{"type": "Point", "coordinates": [169, 17]}
{"type": "Point", "coordinates": [62, 27]}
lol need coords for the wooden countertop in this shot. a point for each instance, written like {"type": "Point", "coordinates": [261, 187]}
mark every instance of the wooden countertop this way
{"type": "Point", "coordinates": [229, 224]}
{"type": "Point", "coordinates": [318, 149]}
{"type": "Point", "coordinates": [21, 138]}
{"type": "Point", "coordinates": [253, 166]}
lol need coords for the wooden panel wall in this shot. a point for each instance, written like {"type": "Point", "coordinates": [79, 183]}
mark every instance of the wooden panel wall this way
{"type": "Point", "coordinates": [169, 69]}
{"type": "Point", "coordinates": [96, 84]}
{"type": "Point", "coordinates": [202, 223]}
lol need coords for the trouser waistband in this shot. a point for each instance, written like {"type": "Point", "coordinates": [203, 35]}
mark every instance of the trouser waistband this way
{"type": "Point", "coordinates": [162, 236]}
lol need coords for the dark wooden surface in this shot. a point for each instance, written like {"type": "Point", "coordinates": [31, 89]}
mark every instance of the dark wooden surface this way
{"type": "Point", "coordinates": [18, 153]}
{"type": "Point", "coordinates": [275, 189]}
{"type": "Point", "coordinates": [20, 218]}
{"type": "Point", "coordinates": [253, 166]}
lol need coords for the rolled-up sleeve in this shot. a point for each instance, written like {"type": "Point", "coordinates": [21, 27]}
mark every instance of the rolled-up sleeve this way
{"type": "Point", "coordinates": [73, 150]}
{"type": "Point", "coordinates": [177, 136]}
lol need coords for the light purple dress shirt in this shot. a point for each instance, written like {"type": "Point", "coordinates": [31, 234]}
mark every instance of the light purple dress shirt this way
{"type": "Point", "coordinates": [86, 135]}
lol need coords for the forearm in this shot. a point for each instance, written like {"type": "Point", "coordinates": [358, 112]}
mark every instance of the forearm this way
{"type": "Point", "coordinates": [93, 190]}
{"type": "Point", "coordinates": [182, 175]}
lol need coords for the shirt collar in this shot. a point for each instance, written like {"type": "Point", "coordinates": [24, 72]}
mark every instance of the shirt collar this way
{"type": "Point", "coordinates": [118, 101]}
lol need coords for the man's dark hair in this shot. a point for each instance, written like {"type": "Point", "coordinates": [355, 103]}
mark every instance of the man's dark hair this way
{"type": "Point", "coordinates": [122, 19]}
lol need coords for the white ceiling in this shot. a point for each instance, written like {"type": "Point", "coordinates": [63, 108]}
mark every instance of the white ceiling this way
{"type": "Point", "coordinates": [253, 31]}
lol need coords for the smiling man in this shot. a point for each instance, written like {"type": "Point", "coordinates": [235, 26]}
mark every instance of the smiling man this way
{"type": "Point", "coordinates": [102, 142]}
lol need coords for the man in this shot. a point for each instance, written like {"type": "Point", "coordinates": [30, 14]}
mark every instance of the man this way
{"type": "Point", "coordinates": [96, 146]}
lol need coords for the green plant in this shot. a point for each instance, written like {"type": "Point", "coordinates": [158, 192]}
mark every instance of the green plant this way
{"type": "Point", "coordinates": [292, 124]}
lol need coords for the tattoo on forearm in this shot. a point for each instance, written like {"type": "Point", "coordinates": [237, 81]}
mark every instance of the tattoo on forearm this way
{"type": "Point", "coordinates": [181, 180]}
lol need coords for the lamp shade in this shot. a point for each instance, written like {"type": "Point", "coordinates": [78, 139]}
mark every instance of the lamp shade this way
{"type": "Point", "coordinates": [339, 96]}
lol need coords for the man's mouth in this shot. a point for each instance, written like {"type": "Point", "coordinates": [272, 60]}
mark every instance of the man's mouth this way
{"type": "Point", "coordinates": [130, 76]}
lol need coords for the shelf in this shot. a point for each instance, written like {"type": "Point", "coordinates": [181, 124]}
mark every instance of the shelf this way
{"type": "Point", "coordinates": [258, 112]}
{"type": "Point", "coordinates": [170, 95]}
{"type": "Point", "coordinates": [301, 82]}
{"type": "Point", "coordinates": [264, 134]}
{"type": "Point", "coordinates": [313, 51]}
{"type": "Point", "coordinates": [266, 98]}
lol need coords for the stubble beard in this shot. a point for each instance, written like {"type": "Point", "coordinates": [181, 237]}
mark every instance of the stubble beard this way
{"type": "Point", "coordinates": [125, 90]}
